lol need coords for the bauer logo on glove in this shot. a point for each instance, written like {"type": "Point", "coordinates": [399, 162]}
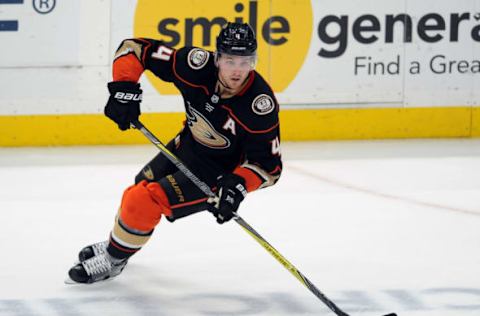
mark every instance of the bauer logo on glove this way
{"type": "Point", "coordinates": [123, 106]}
{"type": "Point", "coordinates": [126, 97]}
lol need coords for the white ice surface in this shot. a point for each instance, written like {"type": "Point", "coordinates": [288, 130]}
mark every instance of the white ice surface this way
{"type": "Point", "coordinates": [377, 226]}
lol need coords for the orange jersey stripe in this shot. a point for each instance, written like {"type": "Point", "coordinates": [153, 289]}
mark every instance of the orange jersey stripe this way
{"type": "Point", "coordinates": [252, 181]}
{"type": "Point", "coordinates": [127, 68]}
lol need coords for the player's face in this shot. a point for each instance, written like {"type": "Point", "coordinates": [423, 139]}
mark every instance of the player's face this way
{"type": "Point", "coordinates": [235, 69]}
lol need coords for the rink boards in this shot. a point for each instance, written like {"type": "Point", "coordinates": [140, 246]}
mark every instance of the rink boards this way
{"type": "Point", "coordinates": [295, 125]}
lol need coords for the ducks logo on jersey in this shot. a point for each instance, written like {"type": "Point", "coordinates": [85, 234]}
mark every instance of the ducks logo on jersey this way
{"type": "Point", "coordinates": [203, 131]}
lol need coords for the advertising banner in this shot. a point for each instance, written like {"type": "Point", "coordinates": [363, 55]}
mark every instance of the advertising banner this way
{"type": "Point", "coordinates": [329, 53]}
{"type": "Point", "coordinates": [315, 54]}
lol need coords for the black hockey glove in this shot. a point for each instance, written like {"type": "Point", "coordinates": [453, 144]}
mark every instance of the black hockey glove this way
{"type": "Point", "coordinates": [123, 106]}
{"type": "Point", "coordinates": [231, 191]}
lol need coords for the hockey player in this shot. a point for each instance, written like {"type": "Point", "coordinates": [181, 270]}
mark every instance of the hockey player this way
{"type": "Point", "coordinates": [230, 140]}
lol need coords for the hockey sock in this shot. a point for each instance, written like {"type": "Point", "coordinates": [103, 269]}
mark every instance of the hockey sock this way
{"type": "Point", "coordinates": [141, 209]}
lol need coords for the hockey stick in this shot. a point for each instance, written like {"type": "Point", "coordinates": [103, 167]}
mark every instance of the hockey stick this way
{"type": "Point", "coordinates": [249, 229]}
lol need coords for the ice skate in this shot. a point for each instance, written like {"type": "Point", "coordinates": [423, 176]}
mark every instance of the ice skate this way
{"type": "Point", "coordinates": [95, 267]}
{"type": "Point", "coordinates": [90, 251]}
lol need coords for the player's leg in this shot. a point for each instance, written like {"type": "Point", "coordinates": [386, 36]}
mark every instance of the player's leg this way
{"type": "Point", "coordinates": [143, 205]}
{"type": "Point", "coordinates": [128, 235]}
{"type": "Point", "coordinates": [157, 168]}
{"type": "Point", "coordinates": [141, 209]}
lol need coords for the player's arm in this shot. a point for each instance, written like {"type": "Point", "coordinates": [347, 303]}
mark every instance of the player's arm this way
{"type": "Point", "coordinates": [132, 58]}
{"type": "Point", "coordinates": [185, 65]}
{"type": "Point", "coordinates": [263, 164]}
{"type": "Point", "coordinates": [261, 168]}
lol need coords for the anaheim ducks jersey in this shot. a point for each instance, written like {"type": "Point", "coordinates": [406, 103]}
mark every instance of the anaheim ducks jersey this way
{"type": "Point", "coordinates": [239, 134]}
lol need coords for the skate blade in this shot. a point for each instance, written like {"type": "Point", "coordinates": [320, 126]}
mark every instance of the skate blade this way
{"type": "Point", "coordinates": [69, 281]}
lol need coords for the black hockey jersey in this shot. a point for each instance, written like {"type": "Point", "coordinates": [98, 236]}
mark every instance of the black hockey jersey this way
{"type": "Point", "coordinates": [239, 134]}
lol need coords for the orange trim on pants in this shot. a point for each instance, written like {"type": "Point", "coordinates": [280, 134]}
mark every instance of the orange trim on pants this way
{"type": "Point", "coordinates": [143, 205]}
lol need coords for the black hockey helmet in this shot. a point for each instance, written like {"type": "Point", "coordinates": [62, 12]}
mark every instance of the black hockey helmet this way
{"type": "Point", "coordinates": [237, 39]}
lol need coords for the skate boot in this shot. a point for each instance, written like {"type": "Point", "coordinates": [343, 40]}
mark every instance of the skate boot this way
{"type": "Point", "coordinates": [96, 268]}
{"type": "Point", "coordinates": [92, 250]}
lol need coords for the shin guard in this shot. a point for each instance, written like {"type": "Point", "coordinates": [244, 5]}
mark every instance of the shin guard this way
{"type": "Point", "coordinates": [141, 210]}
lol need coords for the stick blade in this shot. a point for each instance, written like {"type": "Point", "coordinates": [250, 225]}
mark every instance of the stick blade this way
{"type": "Point", "coordinates": [391, 314]}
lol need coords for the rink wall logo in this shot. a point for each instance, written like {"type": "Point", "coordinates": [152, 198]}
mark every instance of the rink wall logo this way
{"type": "Point", "coordinates": [283, 31]}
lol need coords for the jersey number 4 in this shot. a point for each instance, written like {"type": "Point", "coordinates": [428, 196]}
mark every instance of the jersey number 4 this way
{"type": "Point", "coordinates": [163, 53]}
{"type": "Point", "coordinates": [276, 147]}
